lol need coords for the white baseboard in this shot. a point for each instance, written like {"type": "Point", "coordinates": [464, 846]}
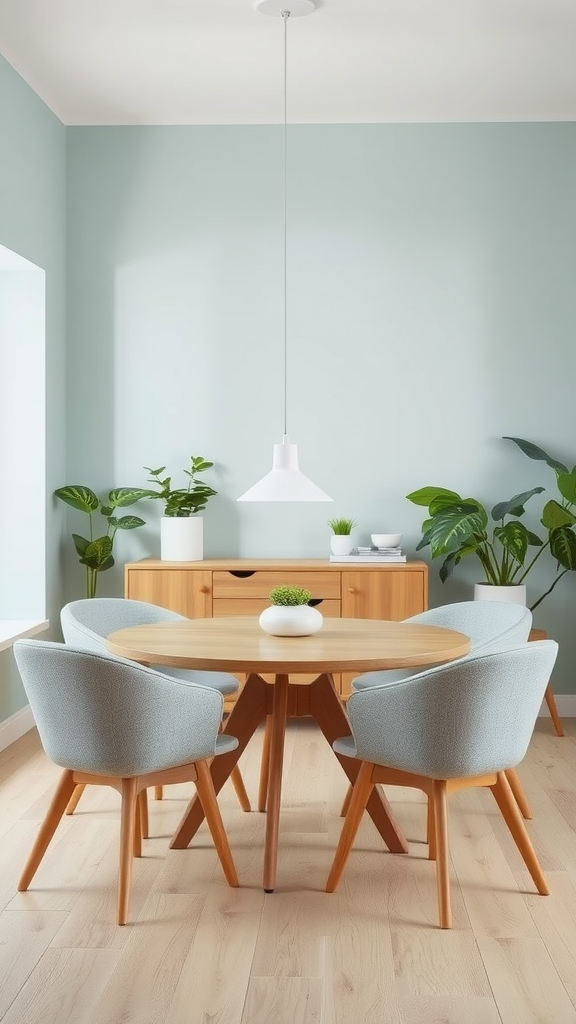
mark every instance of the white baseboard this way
{"type": "Point", "coordinates": [16, 726]}
{"type": "Point", "coordinates": [566, 704]}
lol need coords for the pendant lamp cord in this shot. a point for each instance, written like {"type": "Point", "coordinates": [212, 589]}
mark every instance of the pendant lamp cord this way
{"type": "Point", "coordinates": [285, 16]}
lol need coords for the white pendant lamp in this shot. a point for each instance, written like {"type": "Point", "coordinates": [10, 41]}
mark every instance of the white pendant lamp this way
{"type": "Point", "coordinates": [285, 482]}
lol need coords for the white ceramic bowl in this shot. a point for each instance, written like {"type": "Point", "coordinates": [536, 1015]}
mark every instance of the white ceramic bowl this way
{"type": "Point", "coordinates": [386, 540]}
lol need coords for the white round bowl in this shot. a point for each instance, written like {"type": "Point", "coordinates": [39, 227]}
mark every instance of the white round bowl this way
{"type": "Point", "coordinates": [386, 540]}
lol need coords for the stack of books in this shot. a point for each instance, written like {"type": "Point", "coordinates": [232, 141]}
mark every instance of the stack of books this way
{"type": "Point", "coordinates": [361, 554]}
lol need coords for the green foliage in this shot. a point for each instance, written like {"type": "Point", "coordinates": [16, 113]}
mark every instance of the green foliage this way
{"type": "Point", "coordinates": [182, 502]}
{"type": "Point", "coordinates": [457, 527]}
{"type": "Point", "coordinates": [342, 527]}
{"type": "Point", "coordinates": [558, 515]}
{"type": "Point", "coordinates": [96, 552]}
{"type": "Point", "coordinates": [289, 595]}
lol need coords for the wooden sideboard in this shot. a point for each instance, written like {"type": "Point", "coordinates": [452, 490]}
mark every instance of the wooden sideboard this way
{"type": "Point", "coordinates": [240, 586]}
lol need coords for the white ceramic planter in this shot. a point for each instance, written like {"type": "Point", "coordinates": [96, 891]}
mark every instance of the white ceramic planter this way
{"type": "Point", "coordinates": [181, 538]}
{"type": "Point", "coordinates": [488, 592]}
{"type": "Point", "coordinates": [341, 544]}
{"type": "Point", "coordinates": [291, 620]}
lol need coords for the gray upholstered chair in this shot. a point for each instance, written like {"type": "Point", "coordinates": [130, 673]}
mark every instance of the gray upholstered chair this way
{"type": "Point", "coordinates": [450, 727]}
{"type": "Point", "coordinates": [106, 721]}
{"type": "Point", "coordinates": [88, 622]}
{"type": "Point", "coordinates": [491, 626]}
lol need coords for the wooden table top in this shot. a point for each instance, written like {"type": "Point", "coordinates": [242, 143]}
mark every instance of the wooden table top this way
{"type": "Point", "coordinates": [237, 643]}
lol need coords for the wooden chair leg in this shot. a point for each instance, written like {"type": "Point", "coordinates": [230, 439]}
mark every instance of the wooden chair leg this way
{"type": "Point", "coordinates": [137, 836]}
{"type": "Point", "coordinates": [519, 794]}
{"type": "Point", "coordinates": [346, 803]}
{"type": "Point", "coordinates": [207, 796]}
{"type": "Point", "coordinates": [240, 789]}
{"type": "Point", "coordinates": [73, 801]}
{"type": "Point", "coordinates": [265, 765]}
{"type": "Point", "coordinates": [157, 792]}
{"type": "Point", "coordinates": [143, 805]}
{"type": "Point", "coordinates": [442, 854]}
{"type": "Point", "coordinates": [505, 799]}
{"type": "Point", "coordinates": [551, 702]}
{"type": "Point", "coordinates": [127, 828]}
{"type": "Point", "coordinates": [59, 802]}
{"type": "Point", "coordinates": [430, 829]}
{"type": "Point", "coordinates": [360, 796]}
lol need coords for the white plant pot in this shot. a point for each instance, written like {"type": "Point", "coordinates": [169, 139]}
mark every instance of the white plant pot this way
{"type": "Point", "coordinates": [181, 538]}
{"type": "Point", "coordinates": [341, 544]}
{"type": "Point", "coordinates": [291, 620]}
{"type": "Point", "coordinates": [489, 592]}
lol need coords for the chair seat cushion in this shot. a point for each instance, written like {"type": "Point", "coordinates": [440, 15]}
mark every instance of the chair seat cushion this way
{"type": "Point", "coordinates": [345, 745]}
{"type": "Point", "coordinates": [222, 681]}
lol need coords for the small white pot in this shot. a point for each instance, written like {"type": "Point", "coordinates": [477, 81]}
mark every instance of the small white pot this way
{"type": "Point", "coordinates": [341, 544]}
{"type": "Point", "coordinates": [181, 538]}
{"type": "Point", "coordinates": [291, 620]}
{"type": "Point", "coordinates": [489, 592]}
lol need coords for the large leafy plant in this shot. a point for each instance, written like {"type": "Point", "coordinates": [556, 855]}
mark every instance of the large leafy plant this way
{"type": "Point", "coordinates": [458, 527]}
{"type": "Point", "coordinates": [182, 501]}
{"type": "Point", "coordinates": [558, 516]}
{"type": "Point", "coordinates": [95, 552]}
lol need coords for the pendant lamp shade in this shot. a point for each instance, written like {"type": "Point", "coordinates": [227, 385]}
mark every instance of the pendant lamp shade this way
{"type": "Point", "coordinates": [285, 482]}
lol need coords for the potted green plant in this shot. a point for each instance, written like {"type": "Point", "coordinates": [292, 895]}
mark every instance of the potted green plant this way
{"type": "Point", "coordinates": [458, 527]}
{"type": "Point", "coordinates": [341, 540]}
{"type": "Point", "coordinates": [558, 515]}
{"type": "Point", "coordinates": [95, 552]}
{"type": "Point", "coordinates": [289, 613]}
{"type": "Point", "coordinates": [181, 528]}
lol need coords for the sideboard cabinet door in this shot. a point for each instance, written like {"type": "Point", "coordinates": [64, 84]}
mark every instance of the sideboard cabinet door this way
{"type": "Point", "coordinates": [186, 591]}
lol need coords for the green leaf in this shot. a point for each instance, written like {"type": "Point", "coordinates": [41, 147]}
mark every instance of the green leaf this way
{"type": "Point", "coordinates": [515, 506]}
{"type": "Point", "coordinates": [425, 495]}
{"type": "Point", "coordinates": [120, 497]}
{"type": "Point", "coordinates": [513, 537]}
{"type": "Point", "coordinates": [534, 452]}
{"type": "Point", "coordinates": [555, 515]}
{"type": "Point", "coordinates": [455, 525]}
{"type": "Point", "coordinates": [129, 522]}
{"type": "Point", "coordinates": [567, 487]}
{"type": "Point", "coordinates": [97, 553]}
{"type": "Point", "coordinates": [448, 565]}
{"type": "Point", "coordinates": [563, 547]}
{"type": "Point", "coordinates": [80, 543]}
{"type": "Point", "coordinates": [80, 497]}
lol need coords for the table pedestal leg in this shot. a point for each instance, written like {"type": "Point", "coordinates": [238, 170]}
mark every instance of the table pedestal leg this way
{"type": "Point", "coordinates": [242, 722]}
{"type": "Point", "coordinates": [278, 731]}
{"type": "Point", "coordinates": [327, 709]}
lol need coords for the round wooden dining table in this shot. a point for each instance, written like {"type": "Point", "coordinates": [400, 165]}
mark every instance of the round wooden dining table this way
{"type": "Point", "coordinates": [238, 644]}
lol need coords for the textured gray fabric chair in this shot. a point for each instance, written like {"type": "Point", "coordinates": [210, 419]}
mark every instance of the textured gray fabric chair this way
{"type": "Point", "coordinates": [491, 626]}
{"type": "Point", "coordinates": [450, 727]}
{"type": "Point", "coordinates": [109, 722]}
{"type": "Point", "coordinates": [88, 622]}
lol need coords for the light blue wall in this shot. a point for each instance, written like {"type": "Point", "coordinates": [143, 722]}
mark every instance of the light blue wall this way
{"type": "Point", "coordinates": [32, 223]}
{"type": "Point", "coordinates": [431, 309]}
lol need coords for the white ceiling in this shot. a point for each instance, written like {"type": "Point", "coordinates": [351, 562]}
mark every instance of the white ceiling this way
{"type": "Point", "coordinates": [220, 62]}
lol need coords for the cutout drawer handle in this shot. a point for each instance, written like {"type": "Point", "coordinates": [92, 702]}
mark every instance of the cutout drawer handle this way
{"type": "Point", "coordinates": [242, 574]}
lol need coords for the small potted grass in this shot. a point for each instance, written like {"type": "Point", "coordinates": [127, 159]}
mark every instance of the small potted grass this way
{"type": "Point", "coordinates": [341, 540]}
{"type": "Point", "coordinates": [289, 613]}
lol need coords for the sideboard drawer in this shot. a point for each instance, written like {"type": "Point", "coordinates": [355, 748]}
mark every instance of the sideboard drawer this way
{"type": "Point", "coordinates": [255, 605]}
{"type": "Point", "coordinates": [248, 584]}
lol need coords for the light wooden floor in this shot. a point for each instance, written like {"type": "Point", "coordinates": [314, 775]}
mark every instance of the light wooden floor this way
{"type": "Point", "coordinates": [197, 952]}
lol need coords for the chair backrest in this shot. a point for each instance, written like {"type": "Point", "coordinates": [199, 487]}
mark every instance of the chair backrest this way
{"type": "Point", "coordinates": [491, 625]}
{"type": "Point", "coordinates": [87, 623]}
{"type": "Point", "coordinates": [103, 715]}
{"type": "Point", "coordinates": [471, 717]}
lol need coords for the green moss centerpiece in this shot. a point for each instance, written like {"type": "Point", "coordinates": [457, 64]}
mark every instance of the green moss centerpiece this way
{"type": "Point", "coordinates": [289, 613]}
